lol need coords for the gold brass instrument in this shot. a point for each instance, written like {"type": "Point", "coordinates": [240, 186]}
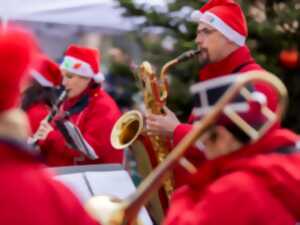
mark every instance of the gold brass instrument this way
{"type": "Point", "coordinates": [155, 91]}
{"type": "Point", "coordinates": [125, 212]}
{"type": "Point", "coordinates": [129, 127]}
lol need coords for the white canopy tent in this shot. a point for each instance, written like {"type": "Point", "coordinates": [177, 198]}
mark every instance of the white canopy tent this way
{"type": "Point", "coordinates": [103, 15]}
{"type": "Point", "coordinates": [57, 23]}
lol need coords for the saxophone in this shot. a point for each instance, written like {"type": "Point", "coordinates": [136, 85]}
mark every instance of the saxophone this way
{"type": "Point", "coordinates": [155, 96]}
{"type": "Point", "coordinates": [130, 126]}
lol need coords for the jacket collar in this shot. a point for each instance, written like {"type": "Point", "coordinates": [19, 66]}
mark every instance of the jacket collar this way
{"type": "Point", "coordinates": [90, 91]}
{"type": "Point", "coordinates": [228, 65]}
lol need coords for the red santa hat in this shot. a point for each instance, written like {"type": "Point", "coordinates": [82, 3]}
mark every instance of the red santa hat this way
{"type": "Point", "coordinates": [245, 124]}
{"type": "Point", "coordinates": [83, 62]}
{"type": "Point", "coordinates": [242, 117]}
{"type": "Point", "coordinates": [17, 50]}
{"type": "Point", "coordinates": [226, 16]}
{"type": "Point", "coordinates": [46, 72]}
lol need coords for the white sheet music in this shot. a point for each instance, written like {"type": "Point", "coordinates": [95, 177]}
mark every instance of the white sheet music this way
{"type": "Point", "coordinates": [117, 183]}
{"type": "Point", "coordinates": [77, 185]}
{"type": "Point", "coordinates": [120, 185]}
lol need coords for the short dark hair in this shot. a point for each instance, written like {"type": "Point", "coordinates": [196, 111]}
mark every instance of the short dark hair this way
{"type": "Point", "coordinates": [36, 93]}
{"type": "Point", "coordinates": [238, 133]}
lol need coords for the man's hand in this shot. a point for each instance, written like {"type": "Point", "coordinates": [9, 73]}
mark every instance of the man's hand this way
{"type": "Point", "coordinates": [44, 129]}
{"type": "Point", "coordinates": [162, 124]}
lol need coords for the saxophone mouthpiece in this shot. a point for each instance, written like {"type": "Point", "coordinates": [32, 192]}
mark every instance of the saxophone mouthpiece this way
{"type": "Point", "coordinates": [187, 55]}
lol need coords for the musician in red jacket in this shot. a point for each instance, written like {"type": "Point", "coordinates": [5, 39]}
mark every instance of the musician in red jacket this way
{"type": "Point", "coordinates": [221, 35]}
{"type": "Point", "coordinates": [88, 110]}
{"type": "Point", "coordinates": [29, 195]}
{"type": "Point", "coordinates": [40, 95]}
{"type": "Point", "coordinates": [242, 182]}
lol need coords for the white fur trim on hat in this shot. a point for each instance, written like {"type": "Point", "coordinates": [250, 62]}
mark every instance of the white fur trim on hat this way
{"type": "Point", "coordinates": [201, 90]}
{"type": "Point", "coordinates": [99, 77]}
{"type": "Point", "coordinates": [40, 79]}
{"type": "Point", "coordinates": [84, 69]}
{"type": "Point", "coordinates": [220, 25]}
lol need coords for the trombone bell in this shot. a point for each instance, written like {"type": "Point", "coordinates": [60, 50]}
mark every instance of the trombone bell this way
{"type": "Point", "coordinates": [127, 129]}
{"type": "Point", "coordinates": [106, 209]}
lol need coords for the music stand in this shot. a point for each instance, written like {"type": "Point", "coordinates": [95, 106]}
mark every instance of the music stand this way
{"type": "Point", "coordinates": [90, 180]}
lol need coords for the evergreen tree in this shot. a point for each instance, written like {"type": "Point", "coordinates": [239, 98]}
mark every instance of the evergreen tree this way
{"type": "Point", "coordinates": [274, 35]}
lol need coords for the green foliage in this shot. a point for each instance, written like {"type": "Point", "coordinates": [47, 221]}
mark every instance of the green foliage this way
{"type": "Point", "coordinates": [267, 38]}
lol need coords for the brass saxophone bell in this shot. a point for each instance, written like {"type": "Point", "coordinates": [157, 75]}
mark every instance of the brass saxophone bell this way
{"type": "Point", "coordinates": [127, 129]}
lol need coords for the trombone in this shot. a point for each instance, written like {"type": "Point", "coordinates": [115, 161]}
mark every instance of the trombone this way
{"type": "Point", "coordinates": [110, 211]}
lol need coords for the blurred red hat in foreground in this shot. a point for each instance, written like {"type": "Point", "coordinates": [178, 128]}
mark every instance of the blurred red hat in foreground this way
{"type": "Point", "coordinates": [17, 51]}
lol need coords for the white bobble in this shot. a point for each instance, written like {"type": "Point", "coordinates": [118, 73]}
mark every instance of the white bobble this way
{"type": "Point", "coordinates": [99, 77]}
{"type": "Point", "coordinates": [259, 97]}
{"type": "Point", "coordinates": [195, 16]}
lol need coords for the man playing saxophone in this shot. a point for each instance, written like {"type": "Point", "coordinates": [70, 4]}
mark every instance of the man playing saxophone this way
{"type": "Point", "coordinates": [221, 36]}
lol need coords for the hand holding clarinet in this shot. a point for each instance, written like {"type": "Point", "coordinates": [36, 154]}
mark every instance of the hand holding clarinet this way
{"type": "Point", "coordinates": [45, 128]}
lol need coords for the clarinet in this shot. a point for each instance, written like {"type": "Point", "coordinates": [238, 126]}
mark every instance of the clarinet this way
{"type": "Point", "coordinates": [56, 105]}
{"type": "Point", "coordinates": [54, 110]}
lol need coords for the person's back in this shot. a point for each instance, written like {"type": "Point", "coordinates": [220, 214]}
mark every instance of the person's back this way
{"type": "Point", "coordinates": [30, 195]}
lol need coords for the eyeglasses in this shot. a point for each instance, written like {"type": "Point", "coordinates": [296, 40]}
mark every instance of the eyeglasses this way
{"type": "Point", "coordinates": [205, 32]}
{"type": "Point", "coordinates": [68, 75]}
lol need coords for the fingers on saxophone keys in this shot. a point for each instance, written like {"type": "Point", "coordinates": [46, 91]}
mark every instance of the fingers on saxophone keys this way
{"type": "Point", "coordinates": [152, 126]}
{"type": "Point", "coordinates": [150, 116]}
{"type": "Point", "coordinates": [149, 132]}
{"type": "Point", "coordinates": [153, 133]}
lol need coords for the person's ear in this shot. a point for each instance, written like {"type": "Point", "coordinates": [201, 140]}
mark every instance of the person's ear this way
{"type": "Point", "coordinates": [213, 134]}
{"type": "Point", "coordinates": [217, 132]}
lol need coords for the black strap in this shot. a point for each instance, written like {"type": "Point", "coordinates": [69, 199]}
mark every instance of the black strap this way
{"type": "Point", "coordinates": [288, 149]}
{"type": "Point", "coordinates": [63, 130]}
{"type": "Point", "coordinates": [78, 106]}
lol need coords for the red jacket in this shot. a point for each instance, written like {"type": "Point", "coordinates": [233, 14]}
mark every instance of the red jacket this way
{"type": "Point", "coordinates": [95, 122]}
{"type": "Point", "coordinates": [36, 113]}
{"type": "Point", "coordinates": [30, 196]}
{"type": "Point", "coordinates": [255, 185]}
{"type": "Point", "coordinates": [238, 61]}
